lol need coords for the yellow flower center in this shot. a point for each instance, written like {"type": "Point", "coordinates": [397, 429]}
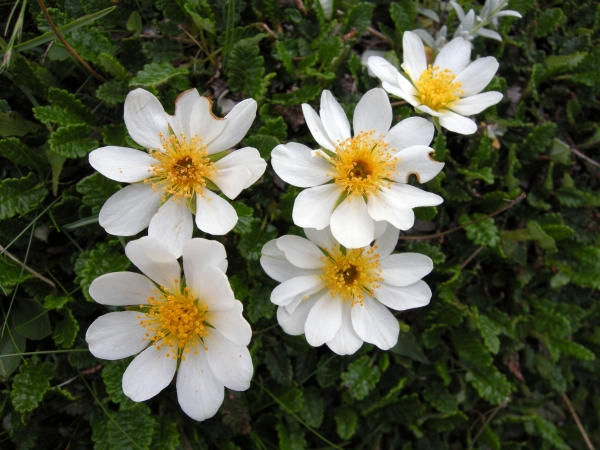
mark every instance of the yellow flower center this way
{"type": "Point", "coordinates": [437, 89]}
{"type": "Point", "coordinates": [176, 320]}
{"type": "Point", "coordinates": [363, 164]}
{"type": "Point", "coordinates": [182, 169]}
{"type": "Point", "coordinates": [350, 274]}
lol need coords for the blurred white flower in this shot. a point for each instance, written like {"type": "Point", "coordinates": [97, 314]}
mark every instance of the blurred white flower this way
{"type": "Point", "coordinates": [448, 89]}
{"type": "Point", "coordinates": [192, 322]}
{"type": "Point", "coordinates": [472, 25]}
{"type": "Point", "coordinates": [187, 159]}
{"type": "Point", "coordinates": [338, 296]}
{"type": "Point", "coordinates": [355, 182]}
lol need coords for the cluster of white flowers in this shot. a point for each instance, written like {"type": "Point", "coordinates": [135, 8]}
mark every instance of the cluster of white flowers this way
{"type": "Point", "coordinates": [336, 285]}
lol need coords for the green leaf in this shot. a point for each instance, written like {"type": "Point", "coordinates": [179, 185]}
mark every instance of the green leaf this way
{"type": "Point", "coordinates": [328, 372]}
{"type": "Point", "coordinates": [134, 23]}
{"type": "Point", "coordinates": [57, 302]}
{"type": "Point", "coordinates": [470, 349]}
{"type": "Point", "coordinates": [13, 124]}
{"type": "Point", "coordinates": [131, 428]}
{"type": "Point", "coordinates": [166, 435]}
{"type": "Point", "coordinates": [440, 398]}
{"type": "Point", "coordinates": [574, 349]}
{"type": "Point", "coordinates": [538, 140]}
{"type": "Point", "coordinates": [560, 152]}
{"type": "Point", "coordinates": [113, 92]}
{"type": "Point", "coordinates": [72, 141]}
{"type": "Point", "coordinates": [425, 213]}
{"type": "Point", "coordinates": [274, 127]}
{"type": "Point", "coordinates": [291, 437]}
{"type": "Point", "coordinates": [114, 134]}
{"type": "Point", "coordinates": [259, 304]}
{"type": "Point", "coordinates": [30, 319]}
{"type": "Point", "coordinates": [20, 154]}
{"type": "Point", "coordinates": [96, 189]}
{"type": "Point", "coordinates": [489, 332]}
{"type": "Point", "coordinates": [304, 94]}
{"type": "Point", "coordinates": [162, 50]}
{"type": "Point", "coordinates": [11, 273]}
{"type": "Point", "coordinates": [548, 20]}
{"type": "Point", "coordinates": [30, 384]}
{"type": "Point", "coordinates": [112, 65]}
{"type": "Point", "coordinates": [279, 365]}
{"type": "Point", "coordinates": [156, 73]}
{"type": "Point", "coordinates": [20, 195]}
{"type": "Point", "coordinates": [346, 422]}
{"type": "Point", "coordinates": [361, 377]}
{"type": "Point", "coordinates": [246, 69]}
{"type": "Point", "coordinates": [485, 174]}
{"type": "Point", "coordinates": [64, 109]}
{"type": "Point", "coordinates": [329, 50]}
{"type": "Point", "coordinates": [112, 375]}
{"type": "Point", "coordinates": [359, 18]}
{"type": "Point", "coordinates": [11, 343]}
{"type": "Point", "coordinates": [264, 144]}
{"type": "Point", "coordinates": [407, 346]}
{"type": "Point", "coordinates": [313, 409]}
{"type": "Point", "coordinates": [245, 218]}
{"type": "Point", "coordinates": [549, 432]}
{"type": "Point", "coordinates": [490, 384]}
{"type": "Point", "coordinates": [403, 13]}
{"type": "Point", "coordinates": [66, 331]}
{"type": "Point", "coordinates": [482, 233]}
{"type": "Point", "coordinates": [251, 244]}
{"type": "Point", "coordinates": [92, 263]}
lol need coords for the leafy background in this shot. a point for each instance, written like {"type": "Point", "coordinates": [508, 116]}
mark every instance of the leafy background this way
{"type": "Point", "coordinates": [504, 357]}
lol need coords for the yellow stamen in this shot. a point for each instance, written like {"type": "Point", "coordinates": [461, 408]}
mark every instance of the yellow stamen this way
{"type": "Point", "coordinates": [363, 164]}
{"type": "Point", "coordinates": [182, 168]}
{"type": "Point", "coordinates": [437, 89]}
{"type": "Point", "coordinates": [351, 274]}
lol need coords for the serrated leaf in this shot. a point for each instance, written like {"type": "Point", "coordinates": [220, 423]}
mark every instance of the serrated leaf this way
{"type": "Point", "coordinates": [166, 435]}
{"type": "Point", "coordinates": [574, 349]}
{"type": "Point", "coordinates": [56, 301]}
{"type": "Point", "coordinates": [30, 384]}
{"type": "Point", "coordinates": [346, 421]}
{"type": "Point", "coordinates": [440, 398]}
{"type": "Point", "coordinates": [64, 109]}
{"type": "Point", "coordinates": [548, 20]}
{"type": "Point", "coordinates": [489, 332]}
{"type": "Point", "coordinates": [92, 263]}
{"type": "Point", "coordinates": [113, 92]}
{"type": "Point", "coordinates": [484, 173]}
{"type": "Point", "coordinates": [11, 273]}
{"type": "Point", "coordinates": [156, 73]}
{"type": "Point", "coordinates": [538, 140]}
{"type": "Point", "coordinates": [72, 141]}
{"type": "Point", "coordinates": [114, 134]}
{"type": "Point", "coordinates": [490, 384]}
{"type": "Point", "coordinates": [251, 244]}
{"type": "Point", "coordinates": [329, 50]}
{"type": "Point", "coordinates": [482, 233]}
{"type": "Point", "coordinates": [131, 428]}
{"type": "Point", "coordinates": [291, 437]}
{"type": "Point", "coordinates": [20, 154]}
{"type": "Point", "coordinates": [30, 319]}
{"type": "Point", "coordinates": [96, 189]}
{"type": "Point", "coordinates": [245, 218]}
{"type": "Point", "coordinates": [246, 69]}
{"type": "Point", "coordinates": [403, 13]}
{"type": "Point", "coordinates": [259, 304]}
{"type": "Point", "coordinates": [112, 375]}
{"type": "Point", "coordinates": [279, 365]}
{"type": "Point", "coordinates": [359, 18]}
{"type": "Point", "coordinates": [361, 377]}
{"type": "Point", "coordinates": [470, 349]}
{"type": "Point", "coordinates": [20, 195]}
{"type": "Point", "coordinates": [313, 409]}
{"type": "Point", "coordinates": [304, 94]}
{"type": "Point", "coordinates": [66, 331]}
{"type": "Point", "coordinates": [274, 127]}
{"type": "Point", "coordinates": [12, 343]}
{"type": "Point", "coordinates": [425, 213]}
{"type": "Point", "coordinates": [549, 432]}
{"type": "Point", "coordinates": [328, 372]}
{"type": "Point", "coordinates": [264, 144]}
{"type": "Point", "coordinates": [13, 124]}
{"type": "Point", "coordinates": [407, 346]}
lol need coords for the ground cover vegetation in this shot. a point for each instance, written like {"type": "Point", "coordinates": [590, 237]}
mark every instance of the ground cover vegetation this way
{"type": "Point", "coordinates": [505, 354]}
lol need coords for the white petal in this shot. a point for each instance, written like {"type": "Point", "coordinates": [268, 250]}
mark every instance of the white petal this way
{"type": "Point", "coordinates": [149, 373]}
{"type": "Point", "coordinates": [334, 118]}
{"type": "Point", "coordinates": [214, 215]}
{"type": "Point", "coordinates": [230, 363]}
{"type": "Point", "coordinates": [237, 123]}
{"type": "Point", "coordinates": [383, 69]}
{"type": "Point", "coordinates": [274, 262]}
{"type": "Point", "coordinates": [199, 253]}
{"type": "Point", "coordinates": [415, 61]}
{"type": "Point", "coordinates": [508, 13]}
{"type": "Point", "coordinates": [405, 268]}
{"type": "Point", "coordinates": [199, 393]}
{"type": "Point", "coordinates": [301, 252]}
{"type": "Point", "coordinates": [249, 158]}
{"type": "Point", "coordinates": [373, 113]}
{"type": "Point", "coordinates": [122, 163]}
{"type": "Point", "coordinates": [404, 297]}
{"type": "Point", "coordinates": [231, 324]}
{"type": "Point", "coordinates": [457, 123]}
{"type": "Point", "coordinates": [410, 132]}
{"type": "Point", "coordinates": [426, 109]}
{"type": "Point", "coordinates": [477, 75]}
{"type": "Point", "coordinates": [116, 335]}
{"type": "Point", "coordinates": [203, 124]}
{"type": "Point", "coordinates": [490, 34]}
{"type": "Point", "coordinates": [299, 286]}
{"type": "Point", "coordinates": [313, 207]}
{"type": "Point", "coordinates": [173, 225]}
{"type": "Point", "coordinates": [184, 107]}
{"type": "Point", "coordinates": [416, 160]}
{"type": "Point", "coordinates": [324, 320]}
{"type": "Point", "coordinates": [211, 286]}
{"type": "Point", "coordinates": [231, 181]}
{"type": "Point", "coordinates": [145, 118]}
{"type": "Point", "coordinates": [315, 125]}
{"type": "Point", "coordinates": [155, 260]}
{"type": "Point", "coordinates": [405, 85]}
{"type": "Point", "coordinates": [395, 90]}
{"type": "Point", "coordinates": [323, 238]}
{"type": "Point", "coordinates": [476, 103]}
{"type": "Point", "coordinates": [351, 223]}
{"type": "Point", "coordinates": [375, 324]}
{"type": "Point", "coordinates": [293, 322]}
{"type": "Point", "coordinates": [379, 227]}
{"type": "Point", "coordinates": [386, 243]}
{"type": "Point", "coordinates": [297, 165]}
{"type": "Point", "coordinates": [413, 196]}
{"type": "Point", "coordinates": [454, 56]}
{"type": "Point", "coordinates": [122, 289]}
{"type": "Point", "coordinates": [345, 341]}
{"type": "Point", "coordinates": [387, 206]}
{"type": "Point", "coordinates": [129, 210]}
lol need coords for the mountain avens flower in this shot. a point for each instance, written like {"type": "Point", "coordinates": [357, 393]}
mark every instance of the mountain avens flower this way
{"type": "Point", "coordinates": [187, 159]}
{"type": "Point", "coordinates": [338, 296]}
{"type": "Point", "coordinates": [190, 324]}
{"type": "Point", "coordinates": [448, 89]}
{"type": "Point", "coordinates": [357, 181]}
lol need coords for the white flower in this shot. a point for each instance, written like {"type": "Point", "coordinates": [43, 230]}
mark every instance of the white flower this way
{"type": "Point", "coordinates": [449, 89]}
{"type": "Point", "coordinates": [187, 157]}
{"type": "Point", "coordinates": [354, 182]}
{"type": "Point", "coordinates": [472, 25]}
{"type": "Point", "coordinates": [338, 297]}
{"type": "Point", "coordinates": [194, 322]}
